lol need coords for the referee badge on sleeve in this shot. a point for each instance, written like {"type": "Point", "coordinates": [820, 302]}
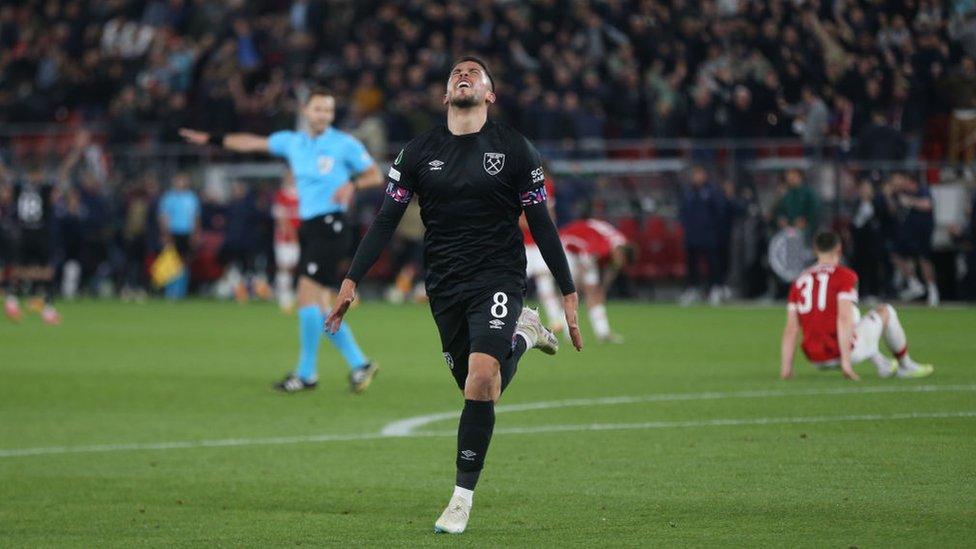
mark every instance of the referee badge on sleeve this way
{"type": "Point", "coordinates": [494, 162]}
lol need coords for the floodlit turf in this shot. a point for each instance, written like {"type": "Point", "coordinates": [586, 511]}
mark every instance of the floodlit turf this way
{"type": "Point", "coordinates": [712, 450]}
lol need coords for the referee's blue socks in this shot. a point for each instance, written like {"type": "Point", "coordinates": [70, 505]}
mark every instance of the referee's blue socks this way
{"type": "Point", "coordinates": [346, 343]}
{"type": "Point", "coordinates": [310, 326]}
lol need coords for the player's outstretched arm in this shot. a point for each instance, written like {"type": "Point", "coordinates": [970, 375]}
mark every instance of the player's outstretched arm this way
{"type": "Point", "coordinates": [547, 238]}
{"type": "Point", "coordinates": [787, 347]}
{"type": "Point", "coordinates": [377, 237]}
{"type": "Point", "coordinates": [845, 336]}
{"type": "Point", "coordinates": [238, 142]}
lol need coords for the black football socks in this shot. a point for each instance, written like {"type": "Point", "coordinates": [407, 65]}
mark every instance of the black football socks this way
{"type": "Point", "coordinates": [474, 435]}
{"type": "Point", "coordinates": [510, 365]}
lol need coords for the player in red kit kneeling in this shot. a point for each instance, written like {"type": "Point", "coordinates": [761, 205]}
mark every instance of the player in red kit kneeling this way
{"type": "Point", "coordinates": [823, 304]}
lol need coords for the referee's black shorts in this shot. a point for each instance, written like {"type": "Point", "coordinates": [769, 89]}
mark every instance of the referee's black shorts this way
{"type": "Point", "coordinates": [479, 322]}
{"type": "Point", "coordinates": [324, 243]}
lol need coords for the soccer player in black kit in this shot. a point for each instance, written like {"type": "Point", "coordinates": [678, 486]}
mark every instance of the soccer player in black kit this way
{"type": "Point", "coordinates": [473, 177]}
{"type": "Point", "coordinates": [33, 216]}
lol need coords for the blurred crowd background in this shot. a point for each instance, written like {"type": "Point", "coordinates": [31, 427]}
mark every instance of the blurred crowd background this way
{"type": "Point", "coordinates": [703, 130]}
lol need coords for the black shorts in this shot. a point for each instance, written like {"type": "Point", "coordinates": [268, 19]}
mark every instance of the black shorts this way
{"type": "Point", "coordinates": [914, 243]}
{"type": "Point", "coordinates": [182, 244]}
{"type": "Point", "coordinates": [34, 249]}
{"type": "Point", "coordinates": [482, 322]}
{"type": "Point", "coordinates": [323, 241]}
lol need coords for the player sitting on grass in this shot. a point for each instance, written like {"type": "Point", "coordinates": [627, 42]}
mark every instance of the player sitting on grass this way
{"type": "Point", "coordinates": [822, 302]}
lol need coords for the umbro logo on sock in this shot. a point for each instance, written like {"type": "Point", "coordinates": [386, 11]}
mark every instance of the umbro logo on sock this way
{"type": "Point", "coordinates": [468, 455]}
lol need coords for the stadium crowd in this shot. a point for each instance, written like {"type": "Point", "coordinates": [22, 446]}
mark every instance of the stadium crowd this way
{"type": "Point", "coordinates": [566, 69]}
{"type": "Point", "coordinates": [883, 81]}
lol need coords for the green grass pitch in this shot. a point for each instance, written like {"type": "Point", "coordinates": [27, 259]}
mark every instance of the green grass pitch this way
{"type": "Point", "coordinates": [682, 436]}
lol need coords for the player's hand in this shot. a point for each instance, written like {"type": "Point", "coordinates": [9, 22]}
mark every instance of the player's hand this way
{"type": "Point", "coordinates": [195, 137]}
{"type": "Point", "coordinates": [851, 374]}
{"type": "Point", "coordinates": [571, 306]}
{"type": "Point", "coordinates": [344, 194]}
{"type": "Point", "coordinates": [786, 373]}
{"type": "Point", "coordinates": [347, 294]}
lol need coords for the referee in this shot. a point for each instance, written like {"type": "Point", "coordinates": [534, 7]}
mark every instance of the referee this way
{"type": "Point", "coordinates": [473, 177]}
{"type": "Point", "coordinates": [329, 165]}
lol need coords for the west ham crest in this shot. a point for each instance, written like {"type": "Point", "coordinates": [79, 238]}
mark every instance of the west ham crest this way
{"type": "Point", "coordinates": [494, 162]}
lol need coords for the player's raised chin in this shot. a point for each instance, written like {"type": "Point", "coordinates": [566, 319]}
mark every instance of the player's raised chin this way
{"type": "Point", "coordinates": [468, 86]}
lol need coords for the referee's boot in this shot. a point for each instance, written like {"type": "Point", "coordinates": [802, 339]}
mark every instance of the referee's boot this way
{"type": "Point", "coordinates": [535, 333]}
{"type": "Point", "coordinates": [294, 384]}
{"type": "Point", "coordinates": [360, 378]}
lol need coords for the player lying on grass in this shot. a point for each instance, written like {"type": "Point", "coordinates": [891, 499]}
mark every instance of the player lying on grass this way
{"type": "Point", "coordinates": [823, 304]}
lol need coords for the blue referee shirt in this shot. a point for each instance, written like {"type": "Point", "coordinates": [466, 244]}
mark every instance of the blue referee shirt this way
{"type": "Point", "coordinates": [321, 165]}
{"type": "Point", "coordinates": [180, 209]}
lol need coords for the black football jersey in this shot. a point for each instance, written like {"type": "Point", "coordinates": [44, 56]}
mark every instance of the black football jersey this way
{"type": "Point", "coordinates": [471, 189]}
{"type": "Point", "coordinates": [32, 206]}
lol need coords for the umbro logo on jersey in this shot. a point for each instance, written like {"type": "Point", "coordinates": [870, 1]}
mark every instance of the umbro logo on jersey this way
{"type": "Point", "coordinates": [435, 165]}
{"type": "Point", "coordinates": [496, 324]}
{"type": "Point", "coordinates": [494, 162]}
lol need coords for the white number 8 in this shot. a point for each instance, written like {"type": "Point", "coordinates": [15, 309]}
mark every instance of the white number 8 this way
{"type": "Point", "coordinates": [499, 310]}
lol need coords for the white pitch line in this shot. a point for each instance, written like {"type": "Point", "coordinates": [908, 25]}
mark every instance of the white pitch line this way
{"type": "Point", "coordinates": [730, 422]}
{"type": "Point", "coordinates": [216, 443]}
{"type": "Point", "coordinates": [406, 427]}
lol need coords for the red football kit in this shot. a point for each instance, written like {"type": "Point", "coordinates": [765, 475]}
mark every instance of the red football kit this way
{"type": "Point", "coordinates": [814, 296]}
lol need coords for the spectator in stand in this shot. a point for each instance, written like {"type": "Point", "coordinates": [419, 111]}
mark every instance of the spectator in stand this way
{"type": "Point", "coordinates": [961, 89]}
{"type": "Point", "coordinates": [880, 142]}
{"type": "Point", "coordinates": [811, 119]}
{"type": "Point", "coordinates": [700, 205]}
{"type": "Point", "coordinates": [799, 207]}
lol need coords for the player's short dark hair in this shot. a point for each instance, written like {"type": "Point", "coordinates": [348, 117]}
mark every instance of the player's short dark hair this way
{"type": "Point", "coordinates": [318, 91]}
{"type": "Point", "coordinates": [480, 61]}
{"type": "Point", "coordinates": [826, 241]}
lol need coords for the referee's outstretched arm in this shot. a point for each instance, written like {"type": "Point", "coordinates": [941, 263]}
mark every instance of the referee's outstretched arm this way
{"type": "Point", "coordinates": [237, 142]}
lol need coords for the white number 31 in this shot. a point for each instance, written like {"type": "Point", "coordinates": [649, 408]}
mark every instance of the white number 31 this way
{"type": "Point", "coordinates": [805, 283]}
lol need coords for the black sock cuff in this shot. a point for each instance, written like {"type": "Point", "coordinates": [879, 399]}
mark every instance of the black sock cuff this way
{"type": "Point", "coordinates": [478, 409]}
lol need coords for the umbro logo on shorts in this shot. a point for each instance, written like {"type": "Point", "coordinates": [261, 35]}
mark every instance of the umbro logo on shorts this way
{"type": "Point", "coordinates": [450, 360]}
{"type": "Point", "coordinates": [496, 324]}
